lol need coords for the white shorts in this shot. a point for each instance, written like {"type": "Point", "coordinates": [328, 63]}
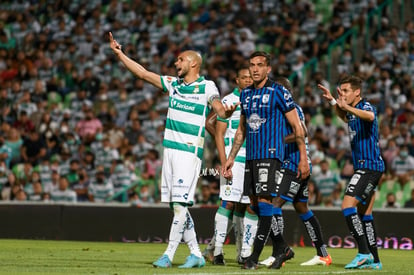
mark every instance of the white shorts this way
{"type": "Point", "coordinates": [233, 190]}
{"type": "Point", "coordinates": [180, 172]}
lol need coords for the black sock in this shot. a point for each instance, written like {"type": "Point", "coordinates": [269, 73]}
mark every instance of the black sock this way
{"type": "Point", "coordinates": [357, 229]}
{"type": "Point", "coordinates": [276, 232]}
{"type": "Point", "coordinates": [370, 232]}
{"type": "Point", "coordinates": [315, 233]}
{"type": "Point", "coordinates": [263, 229]}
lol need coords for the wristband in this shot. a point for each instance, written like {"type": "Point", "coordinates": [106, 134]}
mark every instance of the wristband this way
{"type": "Point", "coordinates": [332, 102]}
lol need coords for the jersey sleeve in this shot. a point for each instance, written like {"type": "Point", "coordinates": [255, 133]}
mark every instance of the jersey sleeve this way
{"type": "Point", "coordinates": [287, 103]}
{"type": "Point", "coordinates": [225, 100]}
{"type": "Point", "coordinates": [212, 92]}
{"type": "Point", "coordinates": [166, 82]}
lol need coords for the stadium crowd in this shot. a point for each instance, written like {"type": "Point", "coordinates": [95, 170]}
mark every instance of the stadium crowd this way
{"type": "Point", "coordinates": [77, 126]}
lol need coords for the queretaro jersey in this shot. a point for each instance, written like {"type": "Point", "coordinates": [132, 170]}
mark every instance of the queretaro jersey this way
{"type": "Point", "coordinates": [232, 124]}
{"type": "Point", "coordinates": [187, 112]}
{"type": "Point", "coordinates": [264, 109]}
{"type": "Point", "coordinates": [292, 155]}
{"type": "Point", "coordinates": [363, 136]}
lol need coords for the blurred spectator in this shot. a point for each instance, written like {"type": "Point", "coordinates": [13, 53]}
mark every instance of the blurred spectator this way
{"type": "Point", "coordinates": [73, 174]}
{"type": "Point", "coordinates": [63, 193]}
{"type": "Point", "coordinates": [314, 195]}
{"type": "Point", "coordinates": [391, 201]}
{"type": "Point", "coordinates": [122, 178]}
{"type": "Point", "coordinates": [34, 148]}
{"type": "Point", "coordinates": [327, 180]}
{"type": "Point", "coordinates": [205, 196]}
{"type": "Point", "coordinates": [100, 187]}
{"type": "Point", "coordinates": [88, 127]}
{"type": "Point", "coordinates": [37, 192]}
{"type": "Point", "coordinates": [152, 164]}
{"type": "Point", "coordinates": [81, 186]}
{"type": "Point", "coordinates": [5, 152]}
{"type": "Point", "coordinates": [410, 202]}
{"type": "Point", "coordinates": [402, 166]}
{"type": "Point", "coordinates": [23, 124]}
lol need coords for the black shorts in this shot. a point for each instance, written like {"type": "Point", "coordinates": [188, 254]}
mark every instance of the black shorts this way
{"type": "Point", "coordinates": [290, 188]}
{"type": "Point", "coordinates": [260, 177]}
{"type": "Point", "coordinates": [363, 184]}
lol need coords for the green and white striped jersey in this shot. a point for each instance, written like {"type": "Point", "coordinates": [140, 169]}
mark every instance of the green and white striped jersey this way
{"type": "Point", "coordinates": [232, 124]}
{"type": "Point", "coordinates": [187, 112]}
{"type": "Point", "coordinates": [63, 195]}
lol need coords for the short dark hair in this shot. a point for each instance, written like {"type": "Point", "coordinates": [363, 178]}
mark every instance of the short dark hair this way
{"type": "Point", "coordinates": [285, 82]}
{"type": "Point", "coordinates": [356, 82]}
{"type": "Point", "coordinates": [242, 67]}
{"type": "Point", "coordinates": [261, 53]}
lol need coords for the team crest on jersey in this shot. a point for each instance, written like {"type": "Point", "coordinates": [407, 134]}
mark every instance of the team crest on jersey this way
{"type": "Point", "coordinates": [227, 192]}
{"type": "Point", "coordinates": [196, 89]}
{"type": "Point", "coordinates": [255, 121]}
{"type": "Point", "coordinates": [265, 99]}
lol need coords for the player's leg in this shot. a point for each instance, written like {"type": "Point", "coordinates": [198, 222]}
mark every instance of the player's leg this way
{"type": "Point", "coordinates": [365, 211]}
{"type": "Point", "coordinates": [264, 180]}
{"type": "Point", "coordinates": [222, 222]}
{"type": "Point", "coordinates": [238, 217]}
{"type": "Point", "coordinates": [286, 189]}
{"type": "Point", "coordinates": [177, 225]}
{"type": "Point", "coordinates": [208, 252]}
{"type": "Point", "coordinates": [249, 232]}
{"type": "Point", "coordinates": [354, 193]}
{"type": "Point", "coordinates": [234, 192]}
{"type": "Point", "coordinates": [182, 171]}
{"type": "Point", "coordinates": [313, 228]}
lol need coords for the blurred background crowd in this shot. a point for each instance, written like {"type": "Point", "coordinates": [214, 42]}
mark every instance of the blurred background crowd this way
{"type": "Point", "coordinates": [76, 126]}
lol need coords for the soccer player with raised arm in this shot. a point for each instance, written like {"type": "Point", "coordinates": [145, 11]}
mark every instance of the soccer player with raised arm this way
{"type": "Point", "coordinates": [264, 107]}
{"type": "Point", "coordinates": [190, 96]}
{"type": "Point", "coordinates": [359, 196]}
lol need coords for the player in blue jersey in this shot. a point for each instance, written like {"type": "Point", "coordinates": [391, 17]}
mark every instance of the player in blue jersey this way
{"type": "Point", "coordinates": [265, 107]}
{"type": "Point", "coordinates": [190, 96]}
{"type": "Point", "coordinates": [359, 197]}
{"type": "Point", "coordinates": [290, 188]}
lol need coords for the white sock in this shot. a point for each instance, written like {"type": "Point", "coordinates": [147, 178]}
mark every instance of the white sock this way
{"type": "Point", "coordinates": [222, 221]}
{"type": "Point", "coordinates": [176, 230]}
{"type": "Point", "coordinates": [190, 237]}
{"type": "Point", "coordinates": [238, 231]}
{"type": "Point", "coordinates": [249, 232]}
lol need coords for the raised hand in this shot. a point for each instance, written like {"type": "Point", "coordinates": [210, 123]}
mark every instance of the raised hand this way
{"type": "Point", "coordinates": [326, 93]}
{"type": "Point", "coordinates": [115, 46]}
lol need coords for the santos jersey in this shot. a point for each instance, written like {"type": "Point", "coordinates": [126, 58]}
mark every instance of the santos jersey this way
{"type": "Point", "coordinates": [188, 108]}
{"type": "Point", "coordinates": [292, 155]}
{"type": "Point", "coordinates": [232, 125]}
{"type": "Point", "coordinates": [364, 140]}
{"type": "Point", "coordinates": [265, 110]}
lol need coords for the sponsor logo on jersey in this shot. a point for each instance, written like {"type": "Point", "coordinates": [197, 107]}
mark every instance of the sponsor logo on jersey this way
{"type": "Point", "coordinates": [182, 106]}
{"type": "Point", "coordinates": [255, 121]}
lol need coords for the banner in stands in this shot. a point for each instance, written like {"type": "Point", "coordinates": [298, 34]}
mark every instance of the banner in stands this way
{"type": "Point", "coordinates": [151, 225]}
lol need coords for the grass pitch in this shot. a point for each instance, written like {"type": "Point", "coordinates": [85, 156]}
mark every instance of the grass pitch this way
{"type": "Point", "coordinates": [63, 257]}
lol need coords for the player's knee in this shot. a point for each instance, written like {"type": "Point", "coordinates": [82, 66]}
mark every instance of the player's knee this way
{"type": "Point", "coordinates": [227, 204]}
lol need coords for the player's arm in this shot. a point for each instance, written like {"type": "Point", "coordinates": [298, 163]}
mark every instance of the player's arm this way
{"type": "Point", "coordinates": [294, 121]}
{"type": "Point", "coordinates": [134, 67]}
{"type": "Point", "coordinates": [237, 144]}
{"type": "Point", "coordinates": [292, 137]}
{"type": "Point", "coordinates": [223, 110]}
{"type": "Point", "coordinates": [221, 128]}
{"type": "Point", "coordinates": [211, 123]}
{"type": "Point", "coordinates": [328, 96]}
{"type": "Point", "coordinates": [365, 115]}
